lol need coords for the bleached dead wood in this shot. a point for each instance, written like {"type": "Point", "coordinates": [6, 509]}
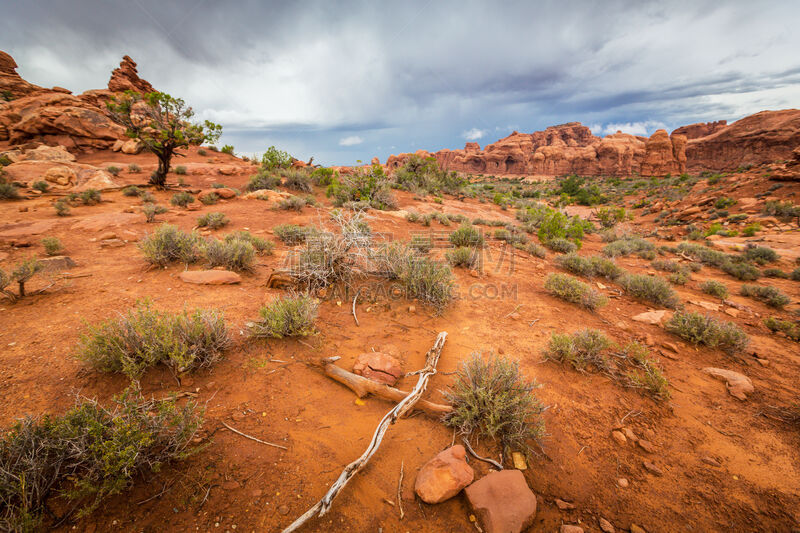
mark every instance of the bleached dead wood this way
{"type": "Point", "coordinates": [322, 506]}
{"type": "Point", "coordinates": [363, 387]}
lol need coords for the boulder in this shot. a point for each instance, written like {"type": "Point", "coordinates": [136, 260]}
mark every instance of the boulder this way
{"type": "Point", "coordinates": [61, 175]}
{"type": "Point", "coordinates": [94, 178]}
{"type": "Point", "coordinates": [379, 367]}
{"type": "Point", "coordinates": [210, 277]}
{"type": "Point", "coordinates": [117, 146]}
{"type": "Point", "coordinates": [502, 502]}
{"type": "Point", "coordinates": [650, 317]}
{"type": "Point", "coordinates": [226, 193]}
{"type": "Point", "coordinates": [132, 147]}
{"type": "Point", "coordinates": [57, 262]}
{"type": "Point", "coordinates": [444, 476]}
{"type": "Point", "coordinates": [739, 385]}
{"type": "Point", "coordinates": [48, 153]}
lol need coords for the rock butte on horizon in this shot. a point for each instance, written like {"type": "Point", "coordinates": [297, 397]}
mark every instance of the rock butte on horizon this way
{"type": "Point", "coordinates": [81, 124]}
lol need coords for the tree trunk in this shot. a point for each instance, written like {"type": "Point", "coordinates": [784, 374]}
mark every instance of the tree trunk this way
{"type": "Point", "coordinates": [159, 178]}
{"type": "Point", "coordinates": [21, 289]}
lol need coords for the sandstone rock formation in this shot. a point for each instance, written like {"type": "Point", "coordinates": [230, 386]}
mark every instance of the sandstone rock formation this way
{"type": "Point", "coordinates": [444, 476]}
{"type": "Point", "coordinates": [29, 113]}
{"type": "Point", "coordinates": [765, 137]}
{"type": "Point", "coordinates": [560, 150]}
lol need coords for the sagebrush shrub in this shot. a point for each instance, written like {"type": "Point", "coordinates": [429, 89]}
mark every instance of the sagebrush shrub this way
{"type": "Point", "coordinates": [210, 198]}
{"type": "Point", "coordinates": [761, 254]}
{"type": "Point", "coordinates": [291, 233]}
{"type": "Point", "coordinates": [260, 245]}
{"type": "Point", "coordinates": [151, 211]}
{"type": "Point", "coordinates": [771, 296]}
{"type": "Point", "coordinates": [700, 329]}
{"type": "Point", "coordinates": [590, 266]}
{"type": "Point", "coordinates": [573, 290]}
{"type": "Point", "coordinates": [145, 337]}
{"type": "Point", "coordinates": [131, 190]}
{"type": "Point", "coordinates": [180, 170]}
{"type": "Point", "coordinates": [714, 288]}
{"type": "Point", "coordinates": [265, 179]}
{"type": "Point", "coordinates": [169, 244]}
{"type": "Point", "coordinates": [114, 171]}
{"type": "Point", "coordinates": [463, 256]}
{"type": "Point", "coordinates": [536, 250]}
{"type": "Point", "coordinates": [293, 202]}
{"type": "Point", "coordinates": [133, 168]}
{"type": "Point", "coordinates": [580, 349]}
{"type": "Point", "coordinates": [41, 186]}
{"type": "Point", "coordinates": [492, 399]}
{"type": "Point", "coordinates": [90, 197]}
{"type": "Point", "coordinates": [630, 245]}
{"type": "Point", "coordinates": [741, 271]}
{"type": "Point", "coordinates": [562, 246]}
{"type": "Point", "coordinates": [291, 316]}
{"type": "Point", "coordinates": [78, 459]}
{"type": "Point", "coordinates": [296, 179]}
{"type": "Point", "coordinates": [233, 254]}
{"type": "Point", "coordinates": [213, 220]}
{"type": "Point", "coordinates": [467, 235]}
{"type": "Point", "coordinates": [62, 208]}
{"type": "Point", "coordinates": [181, 199]}
{"type": "Point", "coordinates": [790, 329]}
{"type": "Point", "coordinates": [651, 289]}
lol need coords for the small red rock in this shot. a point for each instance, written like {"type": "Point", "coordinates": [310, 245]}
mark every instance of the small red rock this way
{"type": "Point", "coordinates": [502, 501]}
{"type": "Point", "coordinates": [444, 476]}
{"type": "Point", "coordinates": [210, 277]}
{"type": "Point", "coordinates": [378, 366]}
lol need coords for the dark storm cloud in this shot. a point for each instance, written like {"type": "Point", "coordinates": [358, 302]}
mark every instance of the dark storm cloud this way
{"type": "Point", "coordinates": [349, 80]}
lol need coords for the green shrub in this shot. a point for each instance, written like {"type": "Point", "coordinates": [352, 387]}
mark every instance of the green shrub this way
{"type": "Point", "coordinates": [666, 265]}
{"type": "Point", "coordinates": [235, 254]}
{"type": "Point", "coordinates": [426, 280]}
{"type": "Point", "coordinates": [323, 176]}
{"type": "Point", "coordinates": [775, 273]}
{"type": "Point", "coordinates": [421, 243]}
{"type": "Point", "coordinates": [463, 256]}
{"type": "Point", "coordinates": [556, 225]}
{"type": "Point", "coordinates": [151, 211]}
{"type": "Point", "coordinates": [761, 254]}
{"type": "Point", "coordinates": [574, 291]}
{"type": "Point", "coordinates": [90, 197]}
{"type": "Point", "coordinates": [296, 179]}
{"type": "Point", "coordinates": [412, 216]}
{"type": "Point", "coordinates": [646, 375]}
{"type": "Point", "coordinates": [52, 246]}
{"type": "Point", "coordinates": [274, 159]}
{"type": "Point", "coordinates": [723, 202]}
{"type": "Point", "coordinates": [795, 275]}
{"type": "Point", "coordinates": [651, 289]}
{"type": "Point", "coordinates": [133, 168]}
{"type": "Point", "coordinates": [227, 149]}
{"type": "Point", "coordinates": [562, 246]}
{"type": "Point", "coordinates": [751, 229]}
{"type": "Point", "coordinates": [260, 245]}
{"type": "Point", "coordinates": [741, 271]}
{"type": "Point", "coordinates": [611, 216]}
{"type": "Point", "coordinates": [9, 191]}
{"type": "Point", "coordinates": [700, 329]}
{"type": "Point", "coordinates": [492, 399]}
{"type": "Point", "coordinates": [714, 288]}
{"type": "Point", "coordinates": [147, 197]}
{"type": "Point", "coordinates": [678, 278]}
{"type": "Point", "coordinates": [580, 349]}
{"type": "Point", "coordinates": [168, 244]}
{"type": "Point", "coordinates": [291, 234]}
{"type": "Point", "coordinates": [62, 208]}
{"type": "Point", "coordinates": [791, 330]}
{"type": "Point", "coordinates": [181, 199]}
{"type": "Point", "coordinates": [209, 198]}
{"type": "Point", "coordinates": [41, 186]}
{"type": "Point", "coordinates": [22, 273]}
{"type": "Point", "coordinates": [467, 235]}
{"type": "Point", "coordinates": [213, 220]}
{"type": "Point", "coordinates": [589, 266]}
{"type": "Point", "coordinates": [292, 316]}
{"type": "Point", "coordinates": [771, 296]}
{"type": "Point", "coordinates": [131, 190]}
{"type": "Point", "coordinates": [79, 459]}
{"type": "Point", "coordinates": [780, 209]}
{"type": "Point", "coordinates": [423, 175]}
{"type": "Point", "coordinates": [114, 171]}
{"type": "Point", "coordinates": [145, 337]}
{"type": "Point", "coordinates": [180, 170]}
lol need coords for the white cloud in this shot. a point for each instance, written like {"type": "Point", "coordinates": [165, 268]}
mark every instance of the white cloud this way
{"type": "Point", "coordinates": [474, 134]}
{"type": "Point", "coordinates": [644, 129]}
{"type": "Point", "coordinates": [350, 141]}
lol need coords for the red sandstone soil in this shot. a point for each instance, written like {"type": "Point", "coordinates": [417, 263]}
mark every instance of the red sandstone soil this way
{"type": "Point", "coordinates": [237, 484]}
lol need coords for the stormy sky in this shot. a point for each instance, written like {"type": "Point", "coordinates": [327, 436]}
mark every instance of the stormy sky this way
{"type": "Point", "coordinates": [345, 81]}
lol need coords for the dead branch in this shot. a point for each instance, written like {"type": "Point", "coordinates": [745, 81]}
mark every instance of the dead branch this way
{"type": "Point", "coordinates": [355, 299]}
{"type": "Point", "coordinates": [400, 491]}
{"type": "Point", "coordinates": [253, 438]}
{"type": "Point", "coordinates": [363, 387]}
{"type": "Point", "coordinates": [478, 457]}
{"type": "Point", "coordinates": [322, 506]}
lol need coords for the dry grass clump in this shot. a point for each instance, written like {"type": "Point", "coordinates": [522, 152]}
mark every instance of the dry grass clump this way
{"type": "Point", "coordinates": [233, 254]}
{"type": "Point", "coordinates": [714, 288]}
{"type": "Point", "coordinates": [425, 279]}
{"type": "Point", "coordinates": [645, 374]}
{"type": "Point", "coordinates": [771, 296]}
{"type": "Point", "coordinates": [145, 337]}
{"type": "Point", "coordinates": [291, 234]}
{"type": "Point", "coordinates": [574, 291]}
{"type": "Point", "coordinates": [790, 329]}
{"type": "Point", "coordinates": [169, 244]}
{"type": "Point", "coordinates": [702, 329]}
{"type": "Point", "coordinates": [293, 203]}
{"type": "Point", "coordinates": [590, 266]}
{"type": "Point", "coordinates": [463, 257]}
{"type": "Point", "coordinates": [87, 454]}
{"type": "Point", "coordinates": [651, 289]}
{"type": "Point", "coordinates": [492, 399]}
{"type": "Point", "coordinates": [291, 316]}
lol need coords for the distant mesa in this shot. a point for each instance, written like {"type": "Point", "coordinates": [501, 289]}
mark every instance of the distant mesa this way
{"type": "Point", "coordinates": [568, 148]}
